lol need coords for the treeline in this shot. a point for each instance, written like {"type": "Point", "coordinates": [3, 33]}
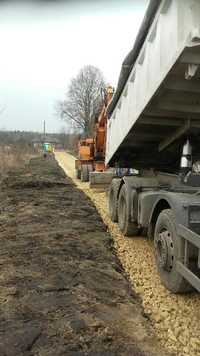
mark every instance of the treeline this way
{"type": "Point", "coordinates": [67, 141]}
{"type": "Point", "coordinates": [11, 137]}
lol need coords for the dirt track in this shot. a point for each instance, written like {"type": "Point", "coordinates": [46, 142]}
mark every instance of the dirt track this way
{"type": "Point", "coordinates": [63, 292]}
{"type": "Point", "coordinates": [175, 318]}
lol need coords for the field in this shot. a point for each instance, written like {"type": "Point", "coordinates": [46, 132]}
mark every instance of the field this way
{"type": "Point", "coordinates": [63, 289]}
{"type": "Point", "coordinates": [14, 156]}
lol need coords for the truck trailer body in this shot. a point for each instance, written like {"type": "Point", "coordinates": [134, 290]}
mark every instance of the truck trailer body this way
{"type": "Point", "coordinates": [159, 101]}
{"type": "Point", "coordinates": [154, 126]}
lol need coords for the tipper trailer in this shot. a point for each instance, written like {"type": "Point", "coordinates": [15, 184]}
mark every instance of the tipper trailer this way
{"type": "Point", "coordinates": [154, 126]}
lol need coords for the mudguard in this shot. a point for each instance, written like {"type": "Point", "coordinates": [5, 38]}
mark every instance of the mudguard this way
{"type": "Point", "coordinates": [133, 187]}
{"type": "Point", "coordinates": [179, 202]}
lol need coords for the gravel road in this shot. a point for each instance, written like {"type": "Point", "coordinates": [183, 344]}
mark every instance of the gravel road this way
{"type": "Point", "coordinates": [175, 318]}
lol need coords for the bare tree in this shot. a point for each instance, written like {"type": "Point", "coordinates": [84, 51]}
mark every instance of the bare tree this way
{"type": "Point", "coordinates": [83, 99]}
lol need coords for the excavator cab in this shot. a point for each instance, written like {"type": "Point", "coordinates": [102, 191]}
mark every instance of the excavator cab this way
{"type": "Point", "coordinates": [86, 149]}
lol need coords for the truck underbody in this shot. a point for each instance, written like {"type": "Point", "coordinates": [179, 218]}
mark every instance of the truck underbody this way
{"type": "Point", "coordinates": [154, 127]}
{"type": "Point", "coordinates": [162, 208]}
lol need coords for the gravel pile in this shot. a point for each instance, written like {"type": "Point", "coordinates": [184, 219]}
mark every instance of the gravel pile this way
{"type": "Point", "coordinates": [175, 317]}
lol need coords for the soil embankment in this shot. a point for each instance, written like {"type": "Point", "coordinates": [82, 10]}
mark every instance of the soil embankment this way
{"type": "Point", "coordinates": [63, 292]}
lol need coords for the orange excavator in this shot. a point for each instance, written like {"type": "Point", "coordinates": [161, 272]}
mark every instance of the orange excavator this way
{"type": "Point", "coordinates": [91, 151]}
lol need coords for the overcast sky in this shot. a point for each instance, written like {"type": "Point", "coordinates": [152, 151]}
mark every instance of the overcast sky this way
{"type": "Point", "coordinates": [45, 43]}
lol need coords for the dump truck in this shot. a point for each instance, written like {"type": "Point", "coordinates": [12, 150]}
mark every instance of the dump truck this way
{"type": "Point", "coordinates": [91, 151]}
{"type": "Point", "coordinates": [154, 126]}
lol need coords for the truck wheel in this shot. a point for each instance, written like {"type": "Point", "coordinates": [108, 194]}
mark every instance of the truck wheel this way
{"type": "Point", "coordinates": [127, 227]}
{"type": "Point", "coordinates": [112, 199]}
{"type": "Point", "coordinates": [169, 249]}
{"type": "Point", "coordinates": [84, 173]}
{"type": "Point", "coordinates": [78, 173]}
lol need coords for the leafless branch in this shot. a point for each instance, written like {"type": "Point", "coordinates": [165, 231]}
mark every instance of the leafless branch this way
{"type": "Point", "coordinates": [83, 99]}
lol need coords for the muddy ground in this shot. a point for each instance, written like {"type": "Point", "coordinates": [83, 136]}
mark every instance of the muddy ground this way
{"type": "Point", "coordinates": [62, 290]}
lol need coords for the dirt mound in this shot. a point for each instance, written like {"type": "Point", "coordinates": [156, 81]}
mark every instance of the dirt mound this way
{"type": "Point", "coordinates": [63, 292]}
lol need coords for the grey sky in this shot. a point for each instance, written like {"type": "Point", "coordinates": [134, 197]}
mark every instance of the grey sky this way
{"type": "Point", "coordinates": [45, 43]}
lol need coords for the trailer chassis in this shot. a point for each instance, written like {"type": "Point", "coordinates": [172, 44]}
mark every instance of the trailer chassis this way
{"type": "Point", "coordinates": [147, 202]}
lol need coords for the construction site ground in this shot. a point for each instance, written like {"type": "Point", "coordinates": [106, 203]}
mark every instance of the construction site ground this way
{"type": "Point", "coordinates": [175, 318]}
{"type": "Point", "coordinates": [63, 290]}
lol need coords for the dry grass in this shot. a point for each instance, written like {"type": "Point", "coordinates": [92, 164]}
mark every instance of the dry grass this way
{"type": "Point", "coordinates": [13, 156]}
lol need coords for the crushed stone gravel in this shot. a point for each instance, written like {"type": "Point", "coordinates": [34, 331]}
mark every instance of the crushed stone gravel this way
{"type": "Point", "coordinates": [175, 318]}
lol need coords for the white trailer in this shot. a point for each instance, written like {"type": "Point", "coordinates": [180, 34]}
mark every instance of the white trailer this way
{"type": "Point", "coordinates": [154, 126]}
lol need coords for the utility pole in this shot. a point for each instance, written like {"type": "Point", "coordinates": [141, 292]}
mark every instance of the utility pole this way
{"type": "Point", "coordinates": [44, 131]}
{"type": "Point", "coordinates": [2, 109]}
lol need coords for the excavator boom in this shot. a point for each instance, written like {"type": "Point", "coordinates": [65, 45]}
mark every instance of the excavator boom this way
{"type": "Point", "coordinates": [91, 151]}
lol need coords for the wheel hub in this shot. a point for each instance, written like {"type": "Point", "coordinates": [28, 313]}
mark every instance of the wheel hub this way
{"type": "Point", "coordinates": [165, 250]}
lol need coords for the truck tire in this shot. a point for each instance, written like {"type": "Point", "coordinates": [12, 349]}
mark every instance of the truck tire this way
{"type": "Point", "coordinates": [168, 249]}
{"type": "Point", "coordinates": [127, 227]}
{"type": "Point", "coordinates": [78, 173]}
{"type": "Point", "coordinates": [112, 199]}
{"type": "Point", "coordinates": [84, 173]}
